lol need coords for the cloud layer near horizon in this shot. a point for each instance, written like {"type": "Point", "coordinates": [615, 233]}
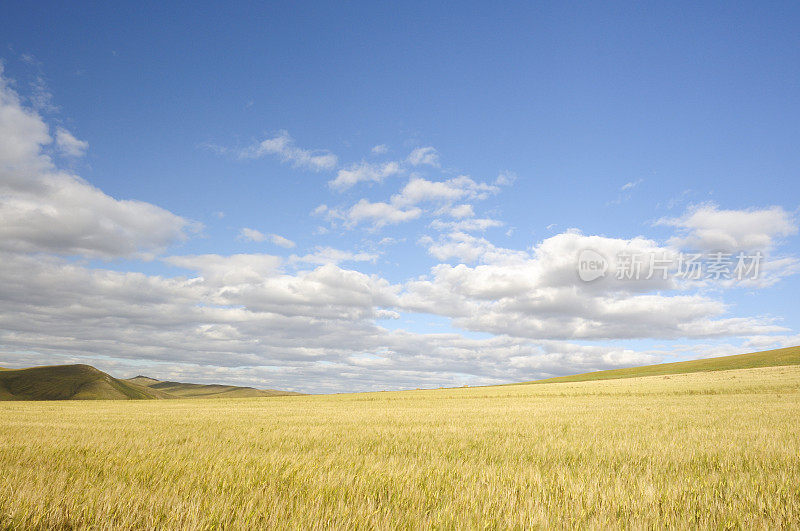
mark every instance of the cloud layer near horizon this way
{"type": "Point", "coordinates": [304, 321]}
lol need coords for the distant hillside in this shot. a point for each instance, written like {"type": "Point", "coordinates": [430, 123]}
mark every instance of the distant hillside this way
{"type": "Point", "coordinates": [189, 390]}
{"type": "Point", "coordinates": [767, 358]}
{"type": "Point", "coordinates": [65, 382]}
{"type": "Point", "coordinates": [83, 382]}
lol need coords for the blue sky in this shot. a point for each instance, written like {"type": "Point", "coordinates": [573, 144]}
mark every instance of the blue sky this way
{"type": "Point", "coordinates": [554, 124]}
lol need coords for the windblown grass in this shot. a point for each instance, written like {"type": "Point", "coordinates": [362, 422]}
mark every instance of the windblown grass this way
{"type": "Point", "coordinates": [718, 449]}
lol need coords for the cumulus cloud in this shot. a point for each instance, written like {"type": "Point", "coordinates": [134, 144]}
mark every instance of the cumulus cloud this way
{"type": "Point", "coordinates": [251, 235]}
{"type": "Point", "coordinates": [244, 321]}
{"type": "Point", "coordinates": [308, 323]}
{"type": "Point", "coordinates": [466, 225]}
{"type": "Point", "coordinates": [329, 255]}
{"type": "Point", "coordinates": [538, 295]}
{"type": "Point", "coordinates": [69, 145]}
{"type": "Point", "coordinates": [467, 248]}
{"type": "Point", "coordinates": [457, 211]}
{"type": "Point", "coordinates": [505, 178]}
{"type": "Point", "coordinates": [419, 190]}
{"type": "Point", "coordinates": [45, 209]}
{"type": "Point", "coordinates": [363, 172]}
{"type": "Point", "coordinates": [417, 197]}
{"type": "Point", "coordinates": [280, 241]}
{"type": "Point", "coordinates": [707, 228]}
{"type": "Point", "coordinates": [283, 146]}
{"type": "Point", "coordinates": [424, 156]}
{"type": "Point", "coordinates": [380, 214]}
{"type": "Point", "coordinates": [228, 270]}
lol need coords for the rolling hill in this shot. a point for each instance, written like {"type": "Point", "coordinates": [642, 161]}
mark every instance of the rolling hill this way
{"type": "Point", "coordinates": [83, 382]}
{"type": "Point", "coordinates": [189, 390]}
{"type": "Point", "coordinates": [65, 382]}
{"type": "Point", "coordinates": [767, 358]}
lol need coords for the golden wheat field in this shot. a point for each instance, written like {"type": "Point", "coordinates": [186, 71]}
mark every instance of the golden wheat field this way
{"type": "Point", "coordinates": [717, 450]}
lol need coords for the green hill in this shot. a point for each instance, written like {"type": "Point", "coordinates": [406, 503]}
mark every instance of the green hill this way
{"type": "Point", "coordinates": [83, 382]}
{"type": "Point", "coordinates": [69, 382]}
{"type": "Point", "coordinates": [767, 358]}
{"type": "Point", "coordinates": [189, 390]}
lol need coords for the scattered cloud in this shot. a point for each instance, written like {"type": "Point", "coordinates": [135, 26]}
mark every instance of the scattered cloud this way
{"type": "Point", "coordinates": [707, 228]}
{"type": "Point", "coordinates": [419, 190]}
{"type": "Point", "coordinates": [45, 209]}
{"type": "Point", "coordinates": [306, 322]}
{"type": "Point", "coordinates": [466, 225]}
{"type": "Point", "coordinates": [380, 149]}
{"type": "Point", "coordinates": [69, 145]}
{"type": "Point", "coordinates": [329, 255]}
{"type": "Point", "coordinates": [253, 235]}
{"type": "Point", "coordinates": [457, 211]}
{"type": "Point", "coordinates": [363, 172]}
{"type": "Point", "coordinates": [630, 185]}
{"type": "Point", "coordinates": [283, 146]}
{"type": "Point", "coordinates": [424, 156]}
{"type": "Point", "coordinates": [506, 178]}
{"type": "Point", "coordinates": [380, 214]}
{"type": "Point", "coordinates": [280, 241]}
{"type": "Point", "coordinates": [536, 295]}
{"type": "Point", "coordinates": [625, 192]}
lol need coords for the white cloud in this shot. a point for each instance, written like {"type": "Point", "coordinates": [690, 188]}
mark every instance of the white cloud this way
{"type": "Point", "coordinates": [707, 228]}
{"type": "Point", "coordinates": [23, 134]}
{"type": "Point", "coordinates": [280, 241]}
{"type": "Point", "coordinates": [283, 146]}
{"type": "Point", "coordinates": [424, 155]}
{"type": "Point", "coordinates": [468, 249]}
{"type": "Point", "coordinates": [630, 185]}
{"type": "Point", "coordinates": [538, 295]}
{"type": "Point", "coordinates": [466, 225]}
{"type": "Point", "coordinates": [329, 255]}
{"type": "Point", "coordinates": [243, 321]}
{"type": "Point", "coordinates": [458, 211]}
{"type": "Point", "coordinates": [251, 235]}
{"type": "Point", "coordinates": [229, 270]}
{"type": "Point", "coordinates": [380, 214]}
{"type": "Point", "coordinates": [419, 190]}
{"type": "Point", "coordinates": [69, 145]}
{"type": "Point", "coordinates": [505, 178]}
{"type": "Point", "coordinates": [45, 209]}
{"type": "Point", "coordinates": [404, 205]}
{"type": "Point", "coordinates": [363, 172]}
{"type": "Point", "coordinates": [305, 322]}
{"type": "Point", "coordinates": [380, 149]}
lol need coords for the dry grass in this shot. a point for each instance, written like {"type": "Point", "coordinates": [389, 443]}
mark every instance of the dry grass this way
{"type": "Point", "coordinates": [715, 450]}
